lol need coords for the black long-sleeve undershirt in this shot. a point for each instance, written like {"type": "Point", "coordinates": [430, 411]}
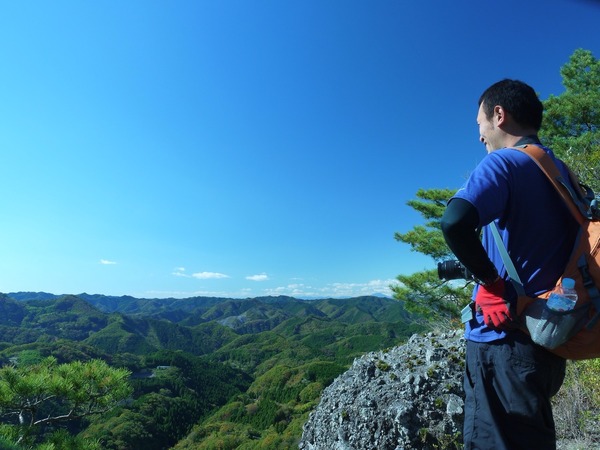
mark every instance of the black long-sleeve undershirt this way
{"type": "Point", "coordinates": [460, 228]}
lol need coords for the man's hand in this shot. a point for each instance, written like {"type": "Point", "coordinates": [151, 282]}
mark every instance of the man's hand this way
{"type": "Point", "coordinates": [495, 310]}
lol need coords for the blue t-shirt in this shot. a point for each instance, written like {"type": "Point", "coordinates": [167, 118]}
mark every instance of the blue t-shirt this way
{"type": "Point", "coordinates": [536, 226]}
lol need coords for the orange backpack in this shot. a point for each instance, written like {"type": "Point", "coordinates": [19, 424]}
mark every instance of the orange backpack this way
{"type": "Point", "coordinates": [573, 334]}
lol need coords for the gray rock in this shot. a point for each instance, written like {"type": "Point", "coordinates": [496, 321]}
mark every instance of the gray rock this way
{"type": "Point", "coordinates": [409, 397]}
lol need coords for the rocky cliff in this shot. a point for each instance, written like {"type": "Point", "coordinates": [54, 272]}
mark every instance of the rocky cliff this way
{"type": "Point", "coordinates": [409, 397]}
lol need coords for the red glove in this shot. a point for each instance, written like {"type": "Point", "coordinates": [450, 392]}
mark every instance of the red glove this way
{"type": "Point", "coordinates": [490, 301]}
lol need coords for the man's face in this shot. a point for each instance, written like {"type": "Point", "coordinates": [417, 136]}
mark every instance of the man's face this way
{"type": "Point", "coordinates": [489, 133]}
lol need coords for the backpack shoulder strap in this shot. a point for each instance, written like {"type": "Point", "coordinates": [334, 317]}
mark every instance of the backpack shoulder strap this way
{"type": "Point", "coordinates": [573, 199]}
{"type": "Point", "coordinates": [508, 264]}
{"type": "Point", "coordinates": [522, 299]}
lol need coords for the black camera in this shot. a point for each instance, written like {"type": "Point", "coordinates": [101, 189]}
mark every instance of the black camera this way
{"type": "Point", "coordinates": [453, 270]}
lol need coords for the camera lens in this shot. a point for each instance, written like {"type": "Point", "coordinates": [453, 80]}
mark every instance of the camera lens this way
{"type": "Point", "coordinates": [452, 270]}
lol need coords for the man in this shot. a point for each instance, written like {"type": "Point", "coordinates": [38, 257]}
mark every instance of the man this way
{"type": "Point", "coordinates": [509, 380]}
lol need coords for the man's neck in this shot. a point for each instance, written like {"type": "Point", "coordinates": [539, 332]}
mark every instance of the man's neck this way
{"type": "Point", "coordinates": [529, 139]}
{"type": "Point", "coordinates": [520, 139]}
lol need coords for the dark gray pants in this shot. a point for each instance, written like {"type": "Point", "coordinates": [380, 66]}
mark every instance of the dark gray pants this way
{"type": "Point", "coordinates": [508, 386]}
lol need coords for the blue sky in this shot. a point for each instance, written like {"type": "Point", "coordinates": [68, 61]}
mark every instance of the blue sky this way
{"type": "Point", "coordinates": [246, 148]}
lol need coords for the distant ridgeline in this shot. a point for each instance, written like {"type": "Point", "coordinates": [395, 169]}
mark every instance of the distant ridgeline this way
{"type": "Point", "coordinates": [93, 313]}
{"type": "Point", "coordinates": [258, 365]}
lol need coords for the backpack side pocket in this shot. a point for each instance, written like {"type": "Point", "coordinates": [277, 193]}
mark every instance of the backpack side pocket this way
{"type": "Point", "coordinates": [550, 328]}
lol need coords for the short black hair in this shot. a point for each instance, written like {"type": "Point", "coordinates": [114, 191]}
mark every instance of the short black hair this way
{"type": "Point", "coordinates": [517, 98]}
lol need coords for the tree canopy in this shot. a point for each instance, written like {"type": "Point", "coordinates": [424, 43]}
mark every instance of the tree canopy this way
{"type": "Point", "coordinates": [571, 124]}
{"type": "Point", "coordinates": [49, 393]}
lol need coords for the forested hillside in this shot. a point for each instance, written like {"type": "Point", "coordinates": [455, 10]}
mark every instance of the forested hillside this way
{"type": "Point", "coordinates": [205, 372]}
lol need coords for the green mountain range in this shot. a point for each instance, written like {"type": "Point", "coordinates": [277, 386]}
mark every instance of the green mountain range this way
{"type": "Point", "coordinates": [242, 373]}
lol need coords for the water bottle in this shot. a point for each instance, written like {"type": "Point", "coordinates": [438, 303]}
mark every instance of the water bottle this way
{"type": "Point", "coordinates": [564, 297]}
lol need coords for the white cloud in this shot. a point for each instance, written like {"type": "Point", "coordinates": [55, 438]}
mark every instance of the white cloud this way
{"type": "Point", "coordinates": [179, 272]}
{"type": "Point", "coordinates": [259, 277]}
{"type": "Point", "coordinates": [106, 262]}
{"type": "Point", "coordinates": [335, 290]}
{"type": "Point", "coordinates": [293, 290]}
{"type": "Point", "coordinates": [209, 275]}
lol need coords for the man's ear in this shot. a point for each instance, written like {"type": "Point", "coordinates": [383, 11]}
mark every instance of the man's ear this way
{"type": "Point", "coordinates": [499, 116]}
